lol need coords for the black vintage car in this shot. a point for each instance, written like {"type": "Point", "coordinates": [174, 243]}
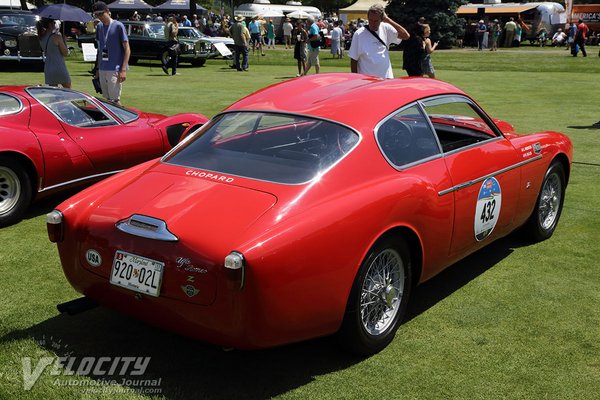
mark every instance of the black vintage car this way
{"type": "Point", "coordinates": [147, 41]}
{"type": "Point", "coordinates": [18, 37]}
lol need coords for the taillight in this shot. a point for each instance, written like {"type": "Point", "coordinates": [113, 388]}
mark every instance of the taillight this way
{"type": "Point", "coordinates": [235, 269]}
{"type": "Point", "coordinates": [54, 224]}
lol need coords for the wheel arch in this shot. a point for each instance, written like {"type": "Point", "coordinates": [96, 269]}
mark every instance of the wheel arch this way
{"type": "Point", "coordinates": [29, 165]}
{"type": "Point", "coordinates": [564, 160]}
{"type": "Point", "coordinates": [414, 245]}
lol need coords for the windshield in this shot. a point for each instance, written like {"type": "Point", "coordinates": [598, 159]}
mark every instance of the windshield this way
{"type": "Point", "coordinates": [267, 146]}
{"type": "Point", "coordinates": [192, 33]}
{"type": "Point", "coordinates": [18, 19]}
{"type": "Point", "coordinates": [156, 30]}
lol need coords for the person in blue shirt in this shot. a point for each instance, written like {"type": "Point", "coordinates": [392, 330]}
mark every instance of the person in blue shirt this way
{"type": "Point", "coordinates": [314, 45]}
{"type": "Point", "coordinates": [185, 21]}
{"type": "Point", "coordinates": [113, 53]}
{"type": "Point", "coordinates": [254, 28]}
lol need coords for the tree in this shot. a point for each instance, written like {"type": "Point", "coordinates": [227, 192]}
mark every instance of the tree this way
{"type": "Point", "coordinates": [446, 26]}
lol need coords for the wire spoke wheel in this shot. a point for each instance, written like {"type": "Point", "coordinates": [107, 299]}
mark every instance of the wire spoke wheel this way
{"type": "Point", "coordinates": [382, 292]}
{"type": "Point", "coordinates": [379, 297]}
{"type": "Point", "coordinates": [550, 200]}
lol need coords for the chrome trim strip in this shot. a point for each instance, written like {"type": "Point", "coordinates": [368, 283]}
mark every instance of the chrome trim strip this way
{"type": "Point", "coordinates": [481, 179]}
{"type": "Point", "coordinates": [79, 180]}
{"type": "Point", "coordinates": [146, 227]}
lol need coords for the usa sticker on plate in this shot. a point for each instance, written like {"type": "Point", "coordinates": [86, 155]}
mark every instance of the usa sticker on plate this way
{"type": "Point", "coordinates": [489, 202]}
{"type": "Point", "coordinates": [137, 273]}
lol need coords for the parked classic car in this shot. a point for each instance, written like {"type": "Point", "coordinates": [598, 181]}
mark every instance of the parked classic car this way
{"type": "Point", "coordinates": [53, 139]}
{"type": "Point", "coordinates": [291, 217]}
{"type": "Point", "coordinates": [147, 41]}
{"type": "Point", "coordinates": [191, 32]}
{"type": "Point", "coordinates": [18, 37]}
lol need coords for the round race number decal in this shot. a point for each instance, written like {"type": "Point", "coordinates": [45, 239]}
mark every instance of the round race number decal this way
{"type": "Point", "coordinates": [488, 207]}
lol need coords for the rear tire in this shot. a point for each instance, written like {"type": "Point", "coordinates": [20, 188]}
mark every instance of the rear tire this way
{"type": "Point", "coordinates": [15, 191]}
{"type": "Point", "coordinates": [548, 207]}
{"type": "Point", "coordinates": [379, 297]}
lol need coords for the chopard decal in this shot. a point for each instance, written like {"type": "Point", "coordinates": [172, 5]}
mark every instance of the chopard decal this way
{"type": "Point", "coordinates": [190, 290]}
{"type": "Point", "coordinates": [209, 175]}
{"type": "Point", "coordinates": [186, 265]}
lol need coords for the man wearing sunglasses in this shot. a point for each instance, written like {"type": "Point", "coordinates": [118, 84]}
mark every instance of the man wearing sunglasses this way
{"type": "Point", "coordinates": [113, 53]}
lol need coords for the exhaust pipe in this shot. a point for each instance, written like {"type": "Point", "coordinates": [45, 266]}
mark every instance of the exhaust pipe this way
{"type": "Point", "coordinates": [76, 306]}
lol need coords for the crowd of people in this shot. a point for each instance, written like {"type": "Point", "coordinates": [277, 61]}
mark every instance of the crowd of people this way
{"type": "Point", "coordinates": [367, 43]}
{"type": "Point", "coordinates": [493, 34]}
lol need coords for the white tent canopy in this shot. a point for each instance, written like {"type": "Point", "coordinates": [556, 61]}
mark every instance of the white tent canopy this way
{"type": "Point", "coordinates": [362, 6]}
{"type": "Point", "coordinates": [298, 14]}
{"type": "Point", "coordinates": [359, 9]}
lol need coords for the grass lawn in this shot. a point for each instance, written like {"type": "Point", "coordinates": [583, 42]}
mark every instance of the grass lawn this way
{"type": "Point", "coordinates": [513, 321]}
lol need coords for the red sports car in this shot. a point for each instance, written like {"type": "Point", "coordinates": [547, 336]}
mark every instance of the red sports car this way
{"type": "Point", "coordinates": [291, 217]}
{"type": "Point", "coordinates": [52, 139]}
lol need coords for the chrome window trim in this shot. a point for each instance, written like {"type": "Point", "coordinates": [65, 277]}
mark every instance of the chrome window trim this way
{"type": "Point", "coordinates": [21, 107]}
{"type": "Point", "coordinates": [90, 98]}
{"type": "Point", "coordinates": [210, 123]}
{"type": "Point", "coordinates": [464, 99]}
{"type": "Point", "coordinates": [472, 182]}
{"type": "Point", "coordinates": [85, 178]}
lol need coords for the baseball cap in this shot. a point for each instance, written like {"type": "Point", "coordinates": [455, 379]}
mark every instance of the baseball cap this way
{"type": "Point", "coordinates": [99, 6]}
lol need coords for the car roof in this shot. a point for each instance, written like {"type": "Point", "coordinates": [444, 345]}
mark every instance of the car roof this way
{"type": "Point", "coordinates": [352, 99]}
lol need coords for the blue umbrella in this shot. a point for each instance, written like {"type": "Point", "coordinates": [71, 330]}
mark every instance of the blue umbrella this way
{"type": "Point", "coordinates": [63, 12]}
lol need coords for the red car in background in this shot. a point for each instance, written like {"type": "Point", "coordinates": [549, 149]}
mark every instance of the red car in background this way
{"type": "Point", "coordinates": [291, 217]}
{"type": "Point", "coordinates": [53, 139]}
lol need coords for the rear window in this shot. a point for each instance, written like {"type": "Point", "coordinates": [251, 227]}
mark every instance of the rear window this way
{"type": "Point", "coordinates": [267, 146]}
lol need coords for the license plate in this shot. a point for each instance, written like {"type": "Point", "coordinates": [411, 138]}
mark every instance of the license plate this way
{"type": "Point", "coordinates": [137, 273]}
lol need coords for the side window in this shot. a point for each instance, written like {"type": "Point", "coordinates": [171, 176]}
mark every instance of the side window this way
{"type": "Point", "coordinates": [9, 105]}
{"type": "Point", "coordinates": [71, 107]}
{"type": "Point", "coordinates": [457, 122]}
{"type": "Point", "coordinates": [406, 138]}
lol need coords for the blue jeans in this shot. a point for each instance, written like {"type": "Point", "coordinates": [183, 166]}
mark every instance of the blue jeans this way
{"type": "Point", "coordinates": [243, 50]}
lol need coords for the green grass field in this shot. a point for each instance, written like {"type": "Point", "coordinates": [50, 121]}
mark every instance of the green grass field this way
{"type": "Point", "coordinates": [513, 321]}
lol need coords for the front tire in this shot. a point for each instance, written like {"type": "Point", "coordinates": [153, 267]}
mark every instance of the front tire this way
{"type": "Point", "coordinates": [15, 191]}
{"type": "Point", "coordinates": [379, 297]}
{"type": "Point", "coordinates": [548, 207]}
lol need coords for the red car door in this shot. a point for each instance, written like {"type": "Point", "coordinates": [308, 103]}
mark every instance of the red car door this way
{"type": "Point", "coordinates": [484, 168]}
{"type": "Point", "coordinates": [112, 148]}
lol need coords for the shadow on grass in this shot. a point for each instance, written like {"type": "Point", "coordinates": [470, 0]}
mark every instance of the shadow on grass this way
{"type": "Point", "coordinates": [594, 126]}
{"type": "Point", "coordinates": [191, 369]}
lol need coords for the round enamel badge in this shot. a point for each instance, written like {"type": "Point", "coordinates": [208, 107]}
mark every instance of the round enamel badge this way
{"type": "Point", "coordinates": [488, 207]}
